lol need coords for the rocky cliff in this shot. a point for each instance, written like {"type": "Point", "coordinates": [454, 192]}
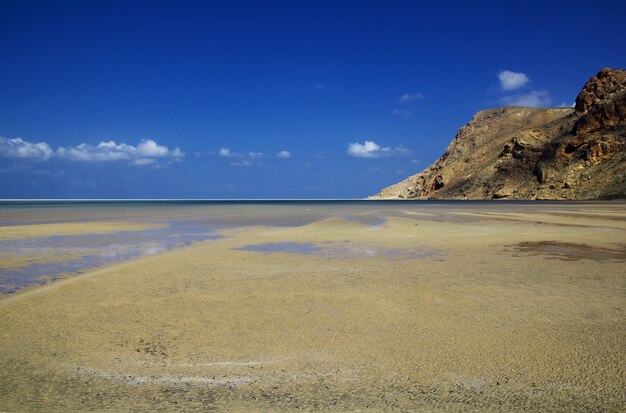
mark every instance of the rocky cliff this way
{"type": "Point", "coordinates": [528, 153]}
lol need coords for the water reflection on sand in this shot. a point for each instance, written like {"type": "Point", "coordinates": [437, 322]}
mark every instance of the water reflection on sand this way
{"type": "Point", "coordinates": [74, 254]}
{"type": "Point", "coordinates": [344, 249]}
{"type": "Point", "coordinates": [33, 261]}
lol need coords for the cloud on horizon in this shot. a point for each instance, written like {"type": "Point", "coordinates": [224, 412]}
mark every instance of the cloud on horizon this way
{"type": "Point", "coordinates": [370, 149]}
{"type": "Point", "coordinates": [21, 149]}
{"type": "Point", "coordinates": [512, 80]}
{"type": "Point", "coordinates": [532, 99]}
{"type": "Point", "coordinates": [226, 153]}
{"type": "Point", "coordinates": [251, 158]}
{"type": "Point", "coordinates": [148, 152]}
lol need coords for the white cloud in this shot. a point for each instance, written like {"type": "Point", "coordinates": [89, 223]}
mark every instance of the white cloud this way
{"type": "Point", "coordinates": [148, 152]}
{"type": "Point", "coordinates": [149, 148]}
{"type": "Point", "coordinates": [226, 153]}
{"type": "Point", "coordinates": [533, 99]}
{"type": "Point", "coordinates": [407, 113]}
{"type": "Point", "coordinates": [415, 161]}
{"type": "Point", "coordinates": [255, 155]}
{"type": "Point", "coordinates": [370, 149]}
{"type": "Point", "coordinates": [19, 148]}
{"type": "Point", "coordinates": [567, 105]}
{"type": "Point", "coordinates": [407, 97]}
{"type": "Point", "coordinates": [283, 155]}
{"type": "Point", "coordinates": [512, 80]}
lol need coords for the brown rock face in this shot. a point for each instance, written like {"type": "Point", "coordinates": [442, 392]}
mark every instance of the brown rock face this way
{"type": "Point", "coordinates": [526, 153]}
{"type": "Point", "coordinates": [600, 89]}
{"type": "Point", "coordinates": [602, 102]}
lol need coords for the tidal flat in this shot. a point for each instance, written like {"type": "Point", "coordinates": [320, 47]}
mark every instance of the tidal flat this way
{"type": "Point", "coordinates": [442, 306]}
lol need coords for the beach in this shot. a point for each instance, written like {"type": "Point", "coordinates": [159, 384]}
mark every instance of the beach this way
{"type": "Point", "coordinates": [380, 306]}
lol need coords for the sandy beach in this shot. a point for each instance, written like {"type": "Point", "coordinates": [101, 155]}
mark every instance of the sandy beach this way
{"type": "Point", "coordinates": [478, 310]}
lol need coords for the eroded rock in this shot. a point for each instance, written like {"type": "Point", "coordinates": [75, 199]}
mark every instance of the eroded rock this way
{"type": "Point", "coordinates": [523, 153]}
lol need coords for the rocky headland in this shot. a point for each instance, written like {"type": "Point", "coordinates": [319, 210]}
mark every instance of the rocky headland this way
{"type": "Point", "coordinates": [534, 153]}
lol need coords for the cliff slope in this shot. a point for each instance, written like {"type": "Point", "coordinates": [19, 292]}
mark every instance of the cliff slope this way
{"type": "Point", "coordinates": [528, 153]}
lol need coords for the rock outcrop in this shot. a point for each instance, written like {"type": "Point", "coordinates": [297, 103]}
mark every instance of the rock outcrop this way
{"type": "Point", "coordinates": [531, 153]}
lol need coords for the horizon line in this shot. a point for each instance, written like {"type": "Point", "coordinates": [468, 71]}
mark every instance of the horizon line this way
{"type": "Point", "coordinates": [179, 199]}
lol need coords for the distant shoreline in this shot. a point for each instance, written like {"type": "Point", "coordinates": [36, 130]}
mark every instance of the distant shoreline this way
{"type": "Point", "coordinates": [295, 200]}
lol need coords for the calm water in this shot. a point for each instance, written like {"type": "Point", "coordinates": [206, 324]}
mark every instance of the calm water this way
{"type": "Point", "coordinates": [187, 222]}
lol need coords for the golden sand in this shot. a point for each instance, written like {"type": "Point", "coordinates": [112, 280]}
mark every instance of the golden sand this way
{"type": "Point", "coordinates": [74, 228]}
{"type": "Point", "coordinates": [478, 322]}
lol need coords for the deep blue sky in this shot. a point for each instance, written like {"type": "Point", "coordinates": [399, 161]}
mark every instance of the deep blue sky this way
{"type": "Point", "coordinates": [309, 78]}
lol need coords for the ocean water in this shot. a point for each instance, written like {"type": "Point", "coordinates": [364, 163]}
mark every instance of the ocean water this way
{"type": "Point", "coordinates": [189, 221]}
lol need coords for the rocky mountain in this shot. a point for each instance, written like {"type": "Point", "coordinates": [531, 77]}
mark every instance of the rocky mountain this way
{"type": "Point", "coordinates": [529, 153]}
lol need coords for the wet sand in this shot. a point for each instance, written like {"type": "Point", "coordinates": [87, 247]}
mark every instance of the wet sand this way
{"type": "Point", "coordinates": [489, 311]}
{"type": "Point", "coordinates": [14, 232]}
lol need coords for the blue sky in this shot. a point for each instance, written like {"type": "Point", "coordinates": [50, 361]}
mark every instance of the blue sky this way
{"type": "Point", "coordinates": [150, 99]}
